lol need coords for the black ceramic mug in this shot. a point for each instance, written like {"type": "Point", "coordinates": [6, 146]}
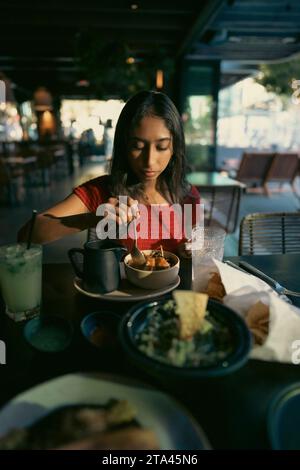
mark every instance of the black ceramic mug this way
{"type": "Point", "coordinates": [101, 265]}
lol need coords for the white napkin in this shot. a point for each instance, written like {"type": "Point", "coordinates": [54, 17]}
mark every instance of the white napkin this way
{"type": "Point", "coordinates": [244, 290]}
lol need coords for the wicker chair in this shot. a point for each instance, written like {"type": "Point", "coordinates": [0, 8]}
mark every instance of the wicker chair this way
{"type": "Point", "coordinates": [270, 233]}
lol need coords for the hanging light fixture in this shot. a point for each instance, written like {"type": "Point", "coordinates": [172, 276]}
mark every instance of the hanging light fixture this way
{"type": "Point", "coordinates": [159, 79]}
{"type": "Point", "coordinates": [42, 100]}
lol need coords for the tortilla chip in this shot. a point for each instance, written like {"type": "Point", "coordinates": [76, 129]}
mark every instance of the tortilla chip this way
{"type": "Point", "coordinates": [259, 336]}
{"type": "Point", "coordinates": [191, 308]}
{"type": "Point", "coordinates": [257, 319]}
{"type": "Point", "coordinates": [258, 314]}
{"type": "Point", "coordinates": [215, 288]}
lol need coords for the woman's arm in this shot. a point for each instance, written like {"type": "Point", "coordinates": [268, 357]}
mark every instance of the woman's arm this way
{"type": "Point", "coordinates": [65, 218]}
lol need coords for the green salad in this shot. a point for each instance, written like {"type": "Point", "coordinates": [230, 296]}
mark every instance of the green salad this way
{"type": "Point", "coordinates": [160, 339]}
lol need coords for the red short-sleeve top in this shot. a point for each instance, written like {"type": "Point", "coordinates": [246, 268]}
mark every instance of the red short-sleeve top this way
{"type": "Point", "coordinates": [165, 224]}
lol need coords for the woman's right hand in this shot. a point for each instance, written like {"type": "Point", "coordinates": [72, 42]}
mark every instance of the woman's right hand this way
{"type": "Point", "coordinates": [122, 209]}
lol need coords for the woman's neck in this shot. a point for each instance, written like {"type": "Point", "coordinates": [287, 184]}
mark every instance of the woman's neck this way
{"type": "Point", "coordinates": [153, 194]}
{"type": "Point", "coordinates": [150, 186]}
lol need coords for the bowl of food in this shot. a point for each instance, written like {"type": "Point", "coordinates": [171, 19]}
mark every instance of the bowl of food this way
{"type": "Point", "coordinates": [185, 336]}
{"type": "Point", "coordinates": [159, 270]}
{"type": "Point", "coordinates": [100, 329]}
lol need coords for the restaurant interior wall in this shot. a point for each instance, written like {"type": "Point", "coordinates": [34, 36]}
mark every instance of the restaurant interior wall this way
{"type": "Point", "coordinates": [10, 125]}
{"type": "Point", "coordinates": [77, 116]}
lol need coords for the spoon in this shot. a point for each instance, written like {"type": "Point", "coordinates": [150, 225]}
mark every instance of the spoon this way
{"type": "Point", "coordinates": [136, 255]}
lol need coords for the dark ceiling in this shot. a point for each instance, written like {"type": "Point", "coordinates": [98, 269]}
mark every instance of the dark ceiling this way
{"type": "Point", "coordinates": [38, 39]}
{"type": "Point", "coordinates": [252, 30]}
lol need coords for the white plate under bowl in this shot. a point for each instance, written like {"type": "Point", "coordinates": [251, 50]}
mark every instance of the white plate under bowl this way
{"type": "Point", "coordinates": [127, 292]}
{"type": "Point", "coordinates": [172, 424]}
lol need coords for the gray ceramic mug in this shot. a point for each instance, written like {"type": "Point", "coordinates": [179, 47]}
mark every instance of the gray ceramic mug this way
{"type": "Point", "coordinates": [101, 265]}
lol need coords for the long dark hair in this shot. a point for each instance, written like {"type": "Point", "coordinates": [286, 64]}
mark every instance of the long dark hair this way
{"type": "Point", "coordinates": [172, 182]}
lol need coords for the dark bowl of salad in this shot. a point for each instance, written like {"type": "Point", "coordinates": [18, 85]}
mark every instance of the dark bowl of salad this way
{"type": "Point", "coordinates": [149, 334]}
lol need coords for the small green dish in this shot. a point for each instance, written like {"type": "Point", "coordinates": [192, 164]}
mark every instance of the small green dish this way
{"type": "Point", "coordinates": [49, 333]}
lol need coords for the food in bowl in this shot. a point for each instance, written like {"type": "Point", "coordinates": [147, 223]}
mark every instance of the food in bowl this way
{"type": "Point", "coordinates": [155, 261]}
{"type": "Point", "coordinates": [157, 272]}
{"type": "Point", "coordinates": [182, 332]}
{"type": "Point", "coordinates": [111, 426]}
{"type": "Point", "coordinates": [100, 329]}
{"type": "Point", "coordinates": [100, 337]}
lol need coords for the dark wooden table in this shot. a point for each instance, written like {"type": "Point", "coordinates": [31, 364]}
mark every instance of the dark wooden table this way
{"type": "Point", "coordinates": [221, 196]}
{"type": "Point", "coordinates": [207, 179]}
{"type": "Point", "coordinates": [231, 410]}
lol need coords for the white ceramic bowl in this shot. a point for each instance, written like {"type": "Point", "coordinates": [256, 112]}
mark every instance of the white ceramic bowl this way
{"type": "Point", "coordinates": [152, 279]}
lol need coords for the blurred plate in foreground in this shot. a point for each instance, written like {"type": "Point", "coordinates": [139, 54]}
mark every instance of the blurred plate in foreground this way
{"type": "Point", "coordinates": [173, 426]}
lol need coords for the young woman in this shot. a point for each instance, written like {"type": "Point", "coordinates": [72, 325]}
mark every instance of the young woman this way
{"type": "Point", "coordinates": [147, 180]}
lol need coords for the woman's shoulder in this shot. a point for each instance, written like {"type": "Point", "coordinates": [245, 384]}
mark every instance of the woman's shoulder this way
{"type": "Point", "coordinates": [100, 182]}
{"type": "Point", "coordinates": [192, 195]}
{"type": "Point", "coordinates": [93, 192]}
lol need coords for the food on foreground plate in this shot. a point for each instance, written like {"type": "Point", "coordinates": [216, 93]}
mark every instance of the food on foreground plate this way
{"type": "Point", "coordinates": [257, 319]}
{"type": "Point", "coordinates": [131, 438]}
{"type": "Point", "coordinates": [215, 288]}
{"type": "Point", "coordinates": [182, 333]}
{"type": "Point", "coordinates": [112, 426]}
{"type": "Point", "coordinates": [156, 261]}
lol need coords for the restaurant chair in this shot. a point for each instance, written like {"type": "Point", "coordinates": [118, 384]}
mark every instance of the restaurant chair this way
{"type": "Point", "coordinates": [270, 233]}
{"type": "Point", "coordinates": [11, 183]}
{"type": "Point", "coordinates": [29, 155]}
{"type": "Point", "coordinates": [284, 169]}
{"type": "Point", "coordinates": [61, 159]}
{"type": "Point", "coordinates": [254, 168]}
{"type": "Point", "coordinates": [45, 162]}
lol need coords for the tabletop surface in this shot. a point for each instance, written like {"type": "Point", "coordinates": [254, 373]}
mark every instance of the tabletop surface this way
{"type": "Point", "coordinates": [212, 179]}
{"type": "Point", "coordinates": [20, 160]}
{"type": "Point", "coordinates": [231, 410]}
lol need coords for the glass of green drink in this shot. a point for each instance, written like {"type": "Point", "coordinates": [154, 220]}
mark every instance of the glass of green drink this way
{"type": "Point", "coordinates": [21, 280]}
